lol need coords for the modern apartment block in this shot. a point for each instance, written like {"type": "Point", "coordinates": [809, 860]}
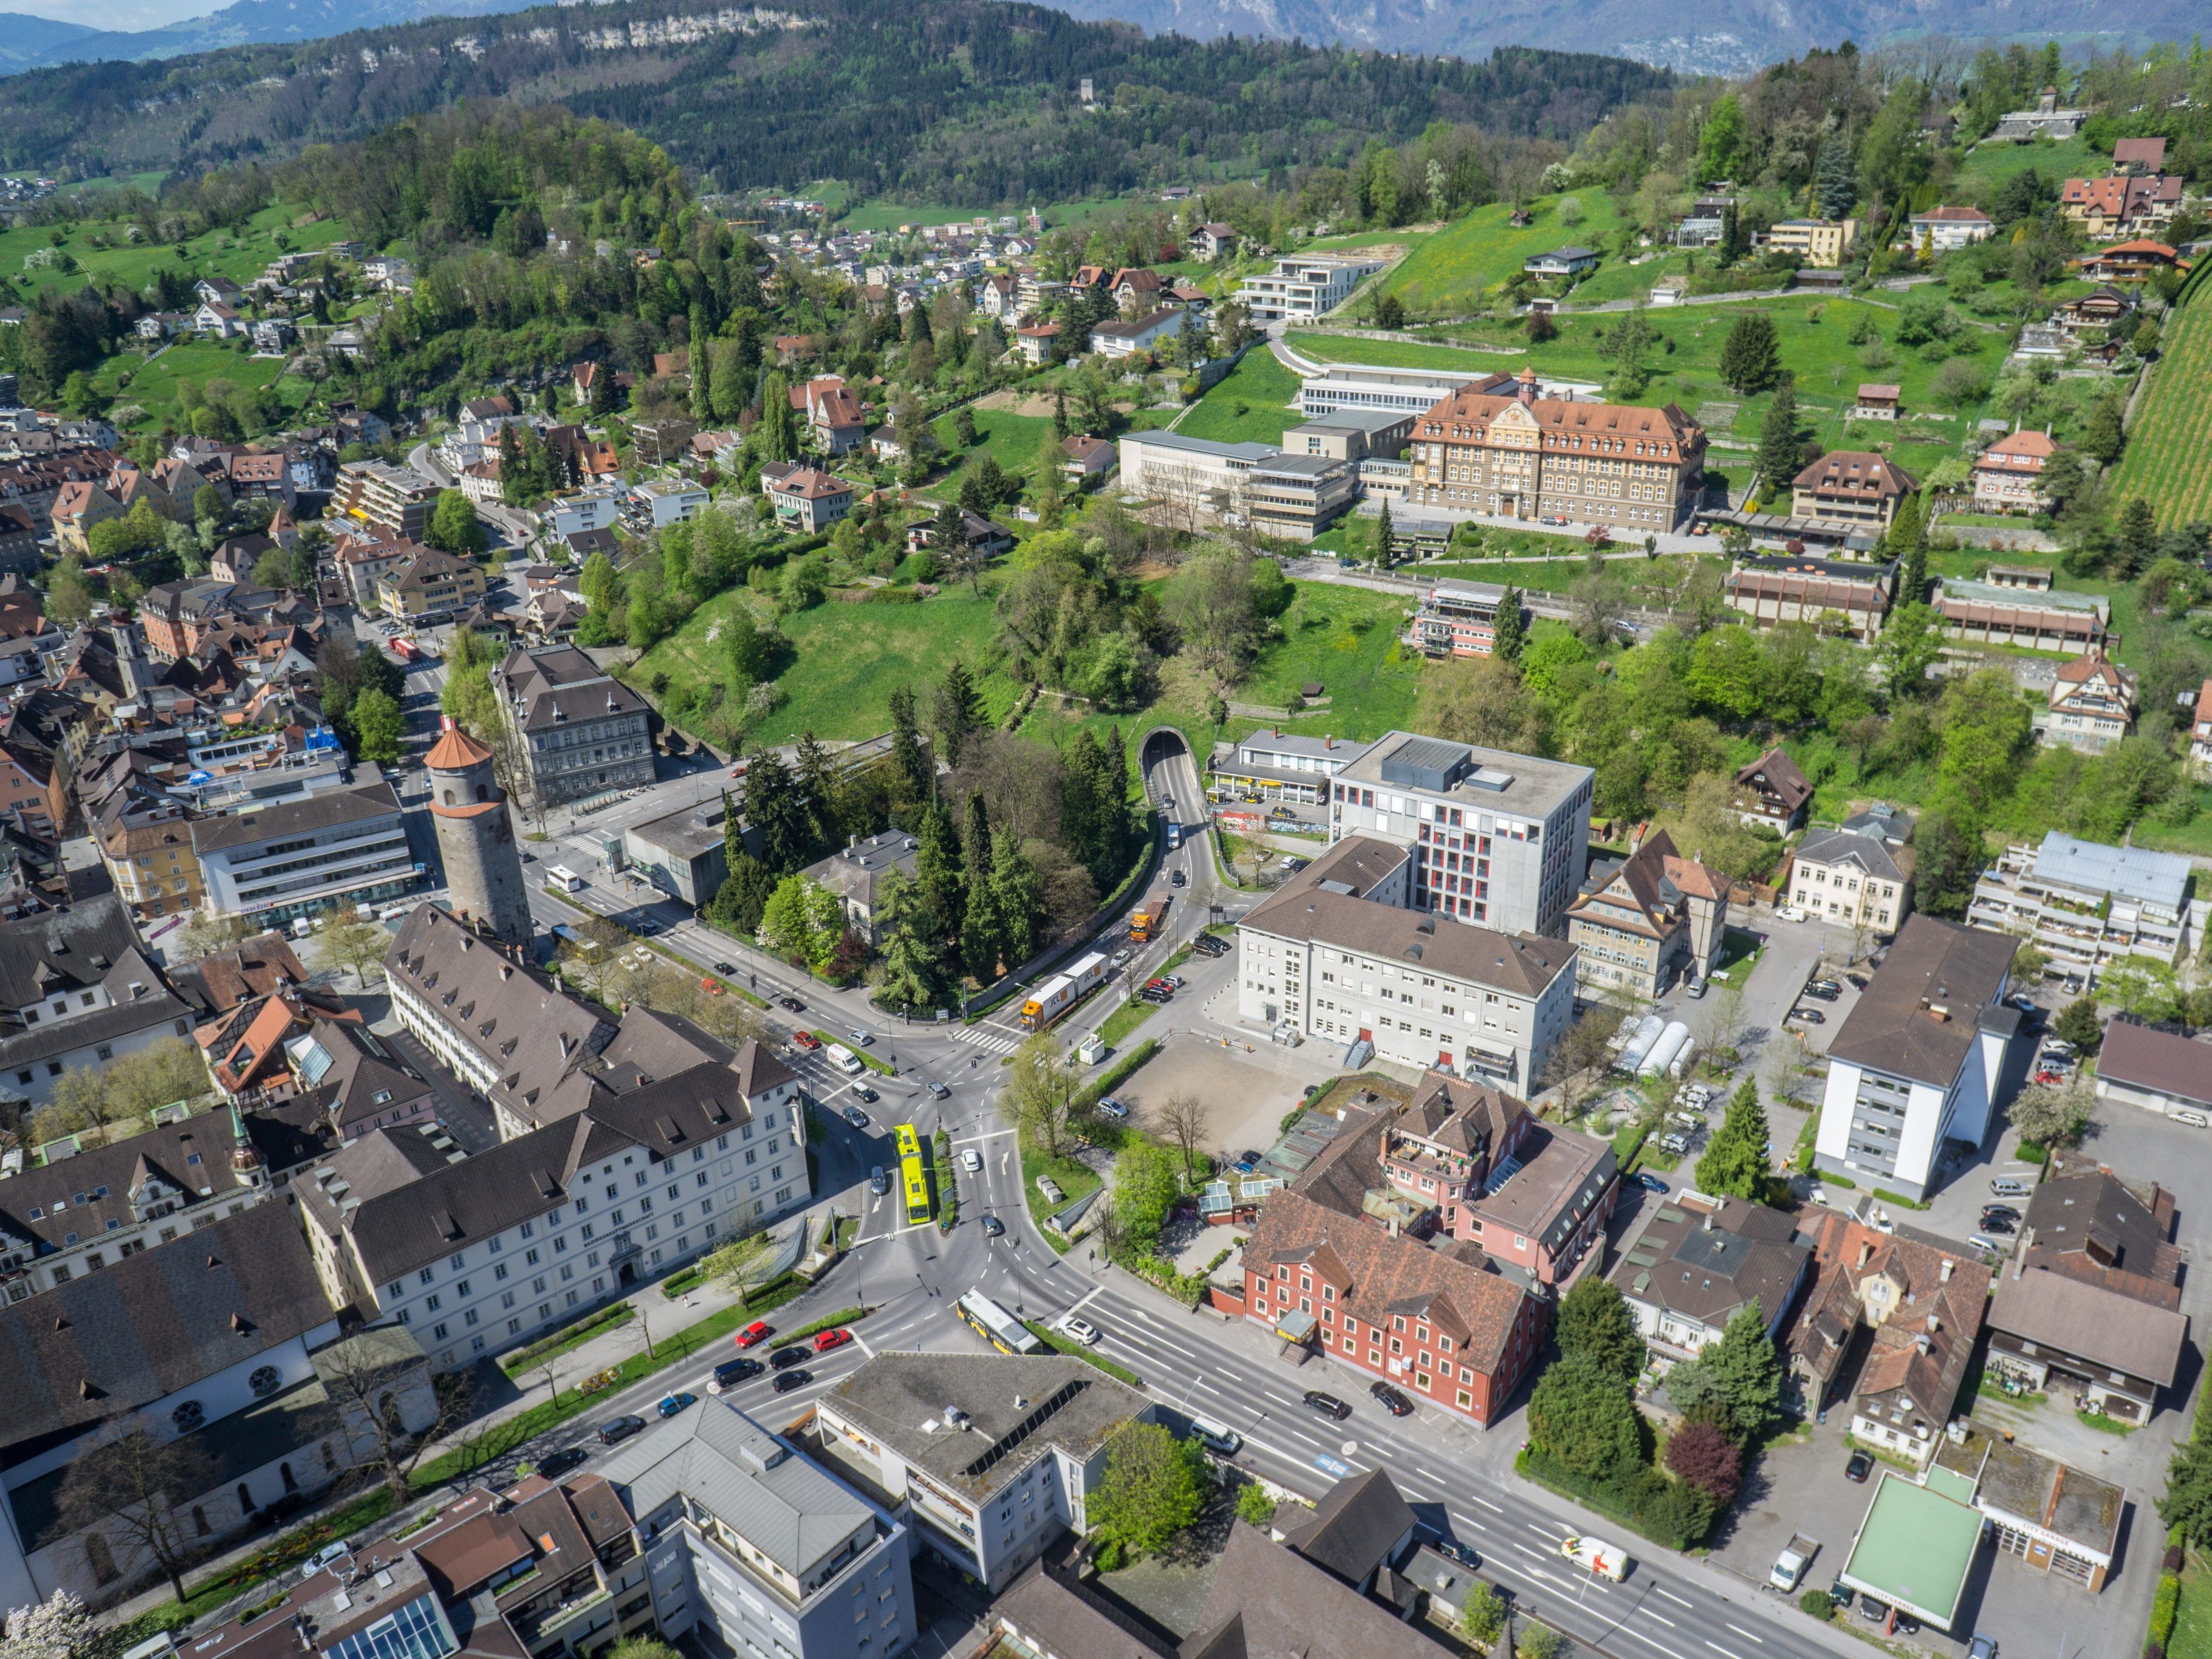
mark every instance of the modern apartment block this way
{"type": "Point", "coordinates": [757, 1551]}
{"type": "Point", "coordinates": [1919, 1059]}
{"type": "Point", "coordinates": [1299, 289]}
{"type": "Point", "coordinates": [1198, 481]}
{"type": "Point", "coordinates": [342, 847]}
{"type": "Point", "coordinates": [393, 501]}
{"type": "Point", "coordinates": [1496, 839]}
{"type": "Point", "coordinates": [1524, 455]}
{"type": "Point", "coordinates": [1341, 953]}
{"type": "Point", "coordinates": [583, 730]}
{"type": "Point", "coordinates": [1368, 388]}
{"type": "Point", "coordinates": [2084, 905]}
{"type": "Point", "coordinates": [1820, 243]}
{"type": "Point", "coordinates": [987, 1492]}
{"type": "Point", "coordinates": [1456, 619]}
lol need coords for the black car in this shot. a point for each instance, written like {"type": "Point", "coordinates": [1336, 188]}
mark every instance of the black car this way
{"type": "Point", "coordinates": [785, 1358]}
{"type": "Point", "coordinates": [732, 1371]}
{"type": "Point", "coordinates": [1999, 1213]}
{"type": "Point", "coordinates": [1823, 993]}
{"type": "Point", "coordinates": [1328, 1405]}
{"type": "Point", "coordinates": [615, 1430]}
{"type": "Point", "coordinates": [1859, 1465]}
{"type": "Point", "coordinates": [791, 1380]}
{"type": "Point", "coordinates": [1999, 1226]}
{"type": "Point", "coordinates": [1394, 1402]}
{"type": "Point", "coordinates": [1809, 1015]}
{"type": "Point", "coordinates": [791, 1003]}
{"type": "Point", "coordinates": [859, 1119]}
{"type": "Point", "coordinates": [1452, 1550]}
{"type": "Point", "coordinates": [554, 1464]}
{"type": "Point", "coordinates": [729, 969]}
{"type": "Point", "coordinates": [993, 1226]}
{"type": "Point", "coordinates": [866, 1092]}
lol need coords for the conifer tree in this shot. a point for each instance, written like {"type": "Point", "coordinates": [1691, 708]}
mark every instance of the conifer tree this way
{"type": "Point", "coordinates": [1511, 631]}
{"type": "Point", "coordinates": [937, 873]}
{"type": "Point", "coordinates": [981, 933]}
{"type": "Point", "coordinates": [1750, 358]}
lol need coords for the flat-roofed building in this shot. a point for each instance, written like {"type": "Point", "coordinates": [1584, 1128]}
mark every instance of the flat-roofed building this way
{"type": "Point", "coordinates": [1820, 243]}
{"type": "Point", "coordinates": [989, 1494]}
{"type": "Point", "coordinates": [684, 853]}
{"type": "Point", "coordinates": [1354, 388]}
{"type": "Point", "coordinates": [2085, 904]}
{"type": "Point", "coordinates": [295, 858]}
{"type": "Point", "coordinates": [1276, 765]}
{"type": "Point", "coordinates": [1836, 596]}
{"type": "Point", "coordinates": [1303, 287]}
{"type": "Point", "coordinates": [393, 502]}
{"type": "Point", "coordinates": [1494, 838]}
{"type": "Point", "coordinates": [1351, 435]}
{"type": "Point", "coordinates": [1985, 613]}
{"type": "Point", "coordinates": [1457, 619]}
{"type": "Point", "coordinates": [1296, 497]}
{"type": "Point", "coordinates": [2045, 1512]}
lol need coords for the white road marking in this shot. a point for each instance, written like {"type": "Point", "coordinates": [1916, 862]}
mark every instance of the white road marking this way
{"type": "Point", "coordinates": [861, 1343]}
{"type": "Point", "coordinates": [1541, 1532]}
{"type": "Point", "coordinates": [1675, 1599]}
{"type": "Point", "coordinates": [1661, 1617]}
{"type": "Point", "coordinates": [1741, 1632]}
{"type": "Point", "coordinates": [1077, 1307]}
{"type": "Point", "coordinates": [1718, 1649]}
{"type": "Point", "coordinates": [993, 1134]}
{"type": "Point", "coordinates": [1493, 1508]}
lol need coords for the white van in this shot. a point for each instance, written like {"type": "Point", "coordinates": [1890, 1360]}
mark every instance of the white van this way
{"type": "Point", "coordinates": [844, 1060]}
{"type": "Point", "coordinates": [1215, 1437]}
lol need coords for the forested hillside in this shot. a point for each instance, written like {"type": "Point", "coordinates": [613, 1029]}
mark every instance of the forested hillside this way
{"type": "Point", "coordinates": [956, 100]}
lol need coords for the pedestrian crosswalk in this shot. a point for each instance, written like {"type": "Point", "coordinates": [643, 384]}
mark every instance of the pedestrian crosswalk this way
{"type": "Point", "coordinates": [992, 1039]}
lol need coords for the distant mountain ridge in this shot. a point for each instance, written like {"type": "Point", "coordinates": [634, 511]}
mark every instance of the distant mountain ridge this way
{"type": "Point", "coordinates": [1726, 37]}
{"type": "Point", "coordinates": [249, 22]}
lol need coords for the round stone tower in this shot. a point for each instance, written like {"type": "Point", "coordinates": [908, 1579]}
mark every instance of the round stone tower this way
{"type": "Point", "coordinates": [476, 836]}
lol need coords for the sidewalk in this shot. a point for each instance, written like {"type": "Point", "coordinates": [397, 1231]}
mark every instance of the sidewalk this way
{"type": "Point", "coordinates": [661, 1314]}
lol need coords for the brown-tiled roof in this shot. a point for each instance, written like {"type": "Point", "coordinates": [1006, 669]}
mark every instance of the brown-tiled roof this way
{"type": "Point", "coordinates": [2086, 1322]}
{"type": "Point", "coordinates": [1749, 1253]}
{"type": "Point", "coordinates": [1857, 476]}
{"type": "Point", "coordinates": [1927, 1290]}
{"type": "Point", "coordinates": [1565, 416]}
{"type": "Point", "coordinates": [1307, 908]}
{"type": "Point", "coordinates": [222, 979]}
{"type": "Point", "coordinates": [1454, 1286]}
{"type": "Point", "coordinates": [2159, 1061]}
{"type": "Point", "coordinates": [2089, 1224]}
{"type": "Point", "coordinates": [1290, 1609]}
{"type": "Point", "coordinates": [1774, 773]}
{"type": "Point", "coordinates": [1895, 1027]}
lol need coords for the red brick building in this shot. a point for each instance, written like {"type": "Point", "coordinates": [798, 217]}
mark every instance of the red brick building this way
{"type": "Point", "coordinates": [1414, 1246]}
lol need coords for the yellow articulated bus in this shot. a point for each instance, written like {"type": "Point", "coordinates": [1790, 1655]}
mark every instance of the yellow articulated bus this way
{"type": "Point", "coordinates": [913, 1174]}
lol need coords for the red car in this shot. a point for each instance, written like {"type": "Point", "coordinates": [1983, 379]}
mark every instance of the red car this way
{"type": "Point", "coordinates": [756, 1332]}
{"type": "Point", "coordinates": [806, 1039]}
{"type": "Point", "coordinates": [825, 1341]}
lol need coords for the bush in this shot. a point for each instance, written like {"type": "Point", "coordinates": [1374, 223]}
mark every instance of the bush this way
{"type": "Point", "coordinates": [1816, 1603]}
{"type": "Point", "coordinates": [2175, 1557]}
{"type": "Point", "coordinates": [2165, 1608]}
{"type": "Point", "coordinates": [1255, 1506]}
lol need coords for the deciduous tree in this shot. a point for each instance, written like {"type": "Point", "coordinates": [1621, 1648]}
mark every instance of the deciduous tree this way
{"type": "Point", "coordinates": [136, 1486]}
{"type": "Point", "coordinates": [1154, 1486]}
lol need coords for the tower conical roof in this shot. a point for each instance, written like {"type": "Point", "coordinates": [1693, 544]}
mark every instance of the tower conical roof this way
{"type": "Point", "coordinates": [455, 749]}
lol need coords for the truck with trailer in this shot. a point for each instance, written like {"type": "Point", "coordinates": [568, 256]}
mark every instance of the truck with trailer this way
{"type": "Point", "coordinates": [1147, 920]}
{"type": "Point", "coordinates": [1056, 996]}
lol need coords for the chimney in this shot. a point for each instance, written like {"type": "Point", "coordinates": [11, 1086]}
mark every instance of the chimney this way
{"type": "Point", "coordinates": [1945, 1277]}
{"type": "Point", "coordinates": [1935, 1324]}
{"type": "Point", "coordinates": [1709, 1221]}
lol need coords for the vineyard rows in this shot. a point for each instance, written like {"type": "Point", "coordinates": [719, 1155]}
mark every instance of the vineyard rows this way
{"type": "Point", "coordinates": [2168, 459]}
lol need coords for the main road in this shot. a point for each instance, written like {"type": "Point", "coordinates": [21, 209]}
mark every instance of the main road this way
{"type": "Point", "coordinates": [1459, 1478]}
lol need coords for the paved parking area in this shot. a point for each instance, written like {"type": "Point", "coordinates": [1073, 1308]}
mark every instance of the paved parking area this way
{"type": "Point", "coordinates": [1796, 1487]}
{"type": "Point", "coordinates": [1246, 1095]}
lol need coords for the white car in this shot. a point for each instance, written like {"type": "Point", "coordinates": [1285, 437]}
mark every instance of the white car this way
{"type": "Point", "coordinates": [1788, 912]}
{"type": "Point", "coordinates": [1082, 1330]}
{"type": "Point", "coordinates": [972, 1161]}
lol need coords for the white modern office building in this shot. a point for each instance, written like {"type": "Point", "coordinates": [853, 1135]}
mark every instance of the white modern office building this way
{"type": "Point", "coordinates": [1496, 839]}
{"type": "Point", "coordinates": [293, 858]}
{"type": "Point", "coordinates": [1919, 1059]}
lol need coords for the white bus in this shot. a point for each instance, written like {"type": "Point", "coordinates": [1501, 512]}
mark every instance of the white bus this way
{"type": "Point", "coordinates": [996, 1325]}
{"type": "Point", "coordinates": [561, 879]}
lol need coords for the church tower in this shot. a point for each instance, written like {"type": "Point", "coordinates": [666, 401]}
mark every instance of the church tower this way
{"type": "Point", "coordinates": [475, 837]}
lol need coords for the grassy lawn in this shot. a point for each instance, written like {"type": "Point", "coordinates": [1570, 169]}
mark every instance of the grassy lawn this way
{"type": "Point", "coordinates": [1455, 270]}
{"type": "Point", "coordinates": [2192, 1626]}
{"type": "Point", "coordinates": [1253, 405]}
{"type": "Point", "coordinates": [1015, 441]}
{"type": "Point", "coordinates": [153, 385]}
{"type": "Point", "coordinates": [1122, 1021]}
{"type": "Point", "coordinates": [850, 659]}
{"type": "Point", "coordinates": [1988, 165]}
{"type": "Point", "coordinates": [218, 254]}
{"type": "Point", "coordinates": [1075, 1179]}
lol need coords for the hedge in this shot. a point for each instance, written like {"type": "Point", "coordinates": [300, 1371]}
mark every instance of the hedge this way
{"type": "Point", "coordinates": [1653, 1507]}
{"type": "Point", "coordinates": [2165, 1607]}
{"type": "Point", "coordinates": [1075, 1350]}
{"type": "Point", "coordinates": [842, 1316]}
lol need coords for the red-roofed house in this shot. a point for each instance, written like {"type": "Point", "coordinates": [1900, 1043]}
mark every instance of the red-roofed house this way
{"type": "Point", "coordinates": [1034, 341]}
{"type": "Point", "coordinates": [810, 501]}
{"type": "Point", "coordinates": [832, 412]}
{"type": "Point", "coordinates": [2122, 204]}
{"type": "Point", "coordinates": [2009, 474]}
{"type": "Point", "coordinates": [79, 505]}
{"type": "Point", "coordinates": [2132, 262]}
{"type": "Point", "coordinates": [2200, 734]}
{"type": "Point", "coordinates": [1655, 918]}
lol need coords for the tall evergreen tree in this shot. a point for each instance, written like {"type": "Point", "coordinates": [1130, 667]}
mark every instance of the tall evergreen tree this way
{"type": "Point", "coordinates": [1779, 450]}
{"type": "Point", "coordinates": [1114, 793]}
{"type": "Point", "coordinates": [959, 711]}
{"type": "Point", "coordinates": [819, 793]}
{"type": "Point", "coordinates": [1060, 412]}
{"type": "Point", "coordinates": [1751, 357]}
{"type": "Point", "coordinates": [937, 873]}
{"type": "Point", "coordinates": [913, 964]}
{"type": "Point", "coordinates": [1835, 185]}
{"type": "Point", "coordinates": [1018, 897]}
{"type": "Point", "coordinates": [1384, 535]}
{"type": "Point", "coordinates": [909, 759]}
{"type": "Point", "coordinates": [1512, 627]}
{"type": "Point", "coordinates": [599, 399]}
{"type": "Point", "coordinates": [982, 936]}
{"type": "Point", "coordinates": [776, 808]}
{"type": "Point", "coordinates": [1082, 812]}
{"type": "Point", "coordinates": [1735, 1163]}
{"type": "Point", "coordinates": [699, 366]}
{"type": "Point", "coordinates": [777, 433]}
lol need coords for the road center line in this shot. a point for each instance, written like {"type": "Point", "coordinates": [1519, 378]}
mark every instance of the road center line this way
{"type": "Point", "coordinates": [1718, 1649]}
{"type": "Point", "coordinates": [1741, 1632]}
{"type": "Point", "coordinates": [1662, 1619]}
{"type": "Point", "coordinates": [1675, 1599]}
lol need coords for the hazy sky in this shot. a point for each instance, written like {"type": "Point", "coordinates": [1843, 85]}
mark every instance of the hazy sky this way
{"type": "Point", "coordinates": [115, 14]}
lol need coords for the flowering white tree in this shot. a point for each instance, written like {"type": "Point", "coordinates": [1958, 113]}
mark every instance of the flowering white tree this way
{"type": "Point", "coordinates": [58, 1628]}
